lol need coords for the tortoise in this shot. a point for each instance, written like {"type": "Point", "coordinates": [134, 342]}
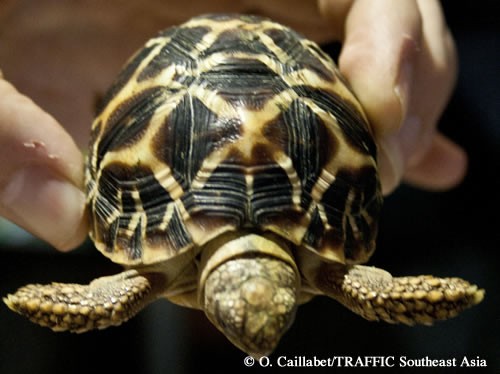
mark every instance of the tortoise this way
{"type": "Point", "coordinates": [231, 169]}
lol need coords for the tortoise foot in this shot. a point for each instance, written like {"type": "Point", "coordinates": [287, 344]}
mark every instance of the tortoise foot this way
{"type": "Point", "coordinates": [106, 301]}
{"type": "Point", "coordinates": [376, 295]}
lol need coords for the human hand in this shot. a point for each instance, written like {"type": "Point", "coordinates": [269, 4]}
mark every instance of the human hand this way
{"type": "Point", "coordinates": [400, 60]}
{"type": "Point", "coordinates": [41, 172]}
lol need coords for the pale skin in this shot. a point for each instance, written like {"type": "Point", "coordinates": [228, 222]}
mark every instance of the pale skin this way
{"type": "Point", "coordinates": [398, 56]}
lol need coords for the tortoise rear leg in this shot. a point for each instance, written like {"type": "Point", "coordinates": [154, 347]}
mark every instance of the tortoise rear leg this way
{"type": "Point", "coordinates": [376, 295]}
{"type": "Point", "coordinates": [106, 301]}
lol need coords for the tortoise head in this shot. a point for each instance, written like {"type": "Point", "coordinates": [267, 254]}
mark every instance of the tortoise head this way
{"type": "Point", "coordinates": [248, 288]}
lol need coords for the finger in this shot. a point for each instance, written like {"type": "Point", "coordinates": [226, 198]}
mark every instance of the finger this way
{"type": "Point", "coordinates": [378, 59]}
{"type": "Point", "coordinates": [442, 167]}
{"type": "Point", "coordinates": [41, 174]}
{"type": "Point", "coordinates": [434, 79]}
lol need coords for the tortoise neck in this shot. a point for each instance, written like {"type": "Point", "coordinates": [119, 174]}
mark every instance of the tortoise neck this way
{"type": "Point", "coordinates": [233, 245]}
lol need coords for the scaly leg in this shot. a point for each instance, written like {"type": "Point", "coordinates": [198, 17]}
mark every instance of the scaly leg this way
{"type": "Point", "coordinates": [376, 295]}
{"type": "Point", "coordinates": [106, 301]}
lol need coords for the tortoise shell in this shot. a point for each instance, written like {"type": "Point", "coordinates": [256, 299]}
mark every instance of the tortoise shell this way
{"type": "Point", "coordinates": [231, 123]}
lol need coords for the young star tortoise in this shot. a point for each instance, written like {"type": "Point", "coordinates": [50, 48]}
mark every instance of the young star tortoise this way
{"type": "Point", "coordinates": [232, 170]}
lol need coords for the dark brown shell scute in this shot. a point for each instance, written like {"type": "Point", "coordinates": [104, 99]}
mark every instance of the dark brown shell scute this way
{"type": "Point", "coordinates": [222, 196]}
{"type": "Point", "coordinates": [299, 57]}
{"type": "Point", "coordinates": [129, 121]}
{"type": "Point", "coordinates": [272, 195]}
{"type": "Point", "coordinates": [176, 51]}
{"type": "Point", "coordinates": [305, 139]}
{"type": "Point", "coordinates": [175, 236]}
{"type": "Point", "coordinates": [352, 191]}
{"type": "Point", "coordinates": [347, 116]}
{"type": "Point", "coordinates": [153, 199]}
{"type": "Point", "coordinates": [242, 41]}
{"type": "Point", "coordinates": [231, 123]}
{"type": "Point", "coordinates": [243, 82]}
{"type": "Point", "coordinates": [190, 133]}
{"type": "Point", "coordinates": [286, 40]}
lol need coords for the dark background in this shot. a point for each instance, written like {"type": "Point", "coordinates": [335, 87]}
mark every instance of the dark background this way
{"type": "Point", "coordinates": [446, 234]}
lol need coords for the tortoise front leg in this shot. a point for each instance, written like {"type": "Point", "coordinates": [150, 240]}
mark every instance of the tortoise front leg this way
{"type": "Point", "coordinates": [106, 301]}
{"type": "Point", "coordinates": [377, 295]}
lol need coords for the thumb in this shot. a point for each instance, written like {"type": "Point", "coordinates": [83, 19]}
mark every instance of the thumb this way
{"type": "Point", "coordinates": [41, 172]}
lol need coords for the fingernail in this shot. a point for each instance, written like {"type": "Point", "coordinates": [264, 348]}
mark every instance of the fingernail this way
{"type": "Point", "coordinates": [45, 205]}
